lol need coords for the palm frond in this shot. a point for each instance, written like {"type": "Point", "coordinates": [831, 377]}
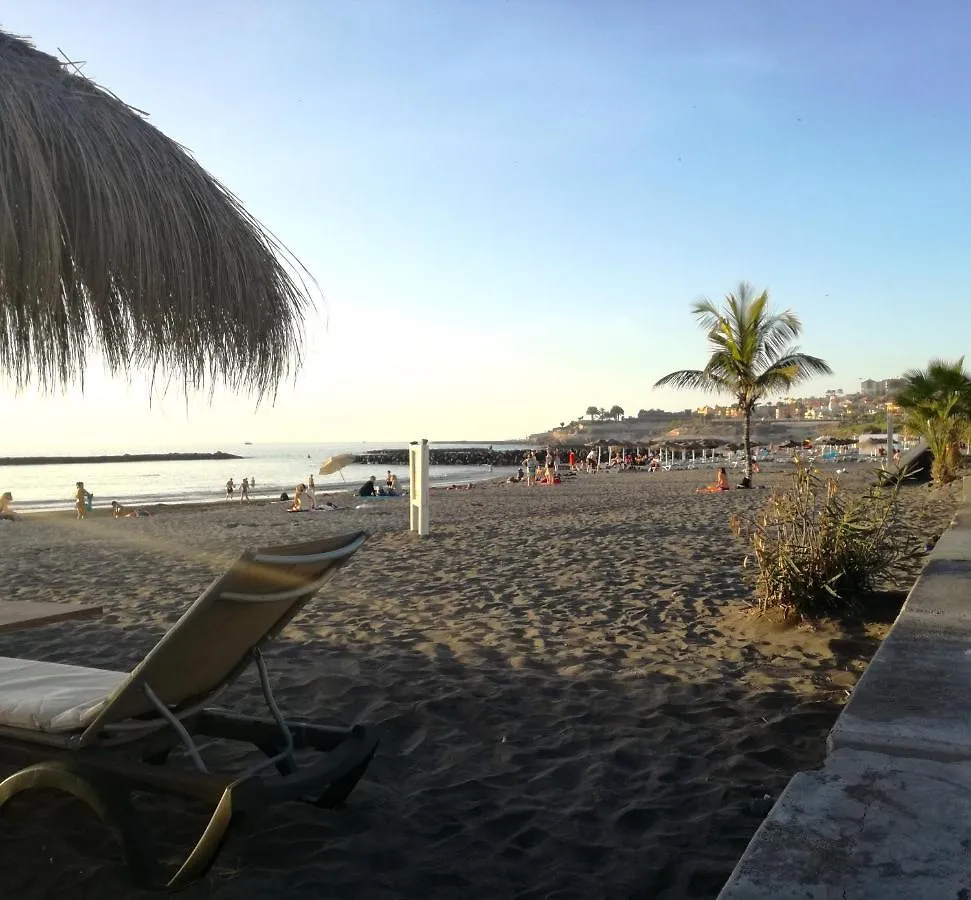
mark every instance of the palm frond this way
{"type": "Point", "coordinates": [802, 365]}
{"type": "Point", "coordinates": [689, 379]}
{"type": "Point", "coordinates": [112, 237]}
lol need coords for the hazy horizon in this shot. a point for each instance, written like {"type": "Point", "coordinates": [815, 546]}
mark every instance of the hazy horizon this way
{"type": "Point", "coordinates": [510, 209]}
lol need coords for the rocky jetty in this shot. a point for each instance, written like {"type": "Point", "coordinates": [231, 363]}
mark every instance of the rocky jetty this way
{"type": "Point", "coordinates": [122, 458]}
{"type": "Point", "coordinates": [466, 456]}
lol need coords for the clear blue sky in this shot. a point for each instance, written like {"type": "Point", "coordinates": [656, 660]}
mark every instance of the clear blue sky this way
{"type": "Point", "coordinates": [510, 206]}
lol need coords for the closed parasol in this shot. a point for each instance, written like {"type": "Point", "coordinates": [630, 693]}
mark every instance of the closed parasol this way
{"type": "Point", "coordinates": [335, 463]}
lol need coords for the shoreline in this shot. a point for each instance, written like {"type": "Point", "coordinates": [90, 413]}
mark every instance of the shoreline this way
{"type": "Point", "coordinates": [324, 494]}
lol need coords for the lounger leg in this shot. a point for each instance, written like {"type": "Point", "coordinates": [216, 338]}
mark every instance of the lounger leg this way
{"type": "Point", "coordinates": [110, 803]}
{"type": "Point", "coordinates": [113, 806]}
{"type": "Point", "coordinates": [339, 789]}
{"type": "Point", "coordinates": [199, 861]}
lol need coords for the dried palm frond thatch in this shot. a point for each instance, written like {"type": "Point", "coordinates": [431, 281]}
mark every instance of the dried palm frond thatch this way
{"type": "Point", "coordinates": [112, 237]}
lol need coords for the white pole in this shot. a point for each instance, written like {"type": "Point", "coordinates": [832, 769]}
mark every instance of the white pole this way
{"type": "Point", "coordinates": [418, 475]}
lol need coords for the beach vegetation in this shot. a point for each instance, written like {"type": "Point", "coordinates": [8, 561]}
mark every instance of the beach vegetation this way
{"type": "Point", "coordinates": [616, 412]}
{"type": "Point", "coordinates": [817, 550]}
{"type": "Point", "coordinates": [936, 404]}
{"type": "Point", "coordinates": [592, 411]}
{"type": "Point", "coordinates": [751, 355]}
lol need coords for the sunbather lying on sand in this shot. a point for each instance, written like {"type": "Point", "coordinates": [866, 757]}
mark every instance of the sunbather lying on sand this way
{"type": "Point", "coordinates": [721, 483]}
{"type": "Point", "coordinates": [127, 512]}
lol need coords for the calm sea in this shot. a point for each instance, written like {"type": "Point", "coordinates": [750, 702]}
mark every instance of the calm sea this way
{"type": "Point", "coordinates": [274, 467]}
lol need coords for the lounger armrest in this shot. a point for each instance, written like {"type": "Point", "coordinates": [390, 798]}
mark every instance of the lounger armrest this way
{"type": "Point", "coordinates": [339, 553]}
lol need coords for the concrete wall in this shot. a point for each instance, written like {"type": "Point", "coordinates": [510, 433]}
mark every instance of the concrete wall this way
{"type": "Point", "coordinates": [888, 814]}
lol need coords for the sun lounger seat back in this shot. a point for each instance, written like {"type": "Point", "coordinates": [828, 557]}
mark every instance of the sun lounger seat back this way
{"type": "Point", "coordinates": [212, 641]}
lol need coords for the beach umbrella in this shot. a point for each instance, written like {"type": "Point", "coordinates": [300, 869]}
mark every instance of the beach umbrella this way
{"type": "Point", "coordinates": [115, 241]}
{"type": "Point", "coordinates": [335, 463]}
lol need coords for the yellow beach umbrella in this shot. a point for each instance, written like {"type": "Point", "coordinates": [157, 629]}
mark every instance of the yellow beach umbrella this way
{"type": "Point", "coordinates": [335, 463]}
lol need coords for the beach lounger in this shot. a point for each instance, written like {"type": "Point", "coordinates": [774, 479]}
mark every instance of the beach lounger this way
{"type": "Point", "coordinates": [101, 735]}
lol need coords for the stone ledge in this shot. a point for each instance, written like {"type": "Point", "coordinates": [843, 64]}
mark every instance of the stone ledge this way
{"type": "Point", "coordinates": [864, 827]}
{"type": "Point", "coordinates": [886, 815]}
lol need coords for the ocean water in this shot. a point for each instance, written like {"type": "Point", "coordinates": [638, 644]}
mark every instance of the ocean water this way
{"type": "Point", "coordinates": [274, 467]}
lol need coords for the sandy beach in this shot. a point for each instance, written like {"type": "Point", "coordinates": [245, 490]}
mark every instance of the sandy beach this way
{"type": "Point", "coordinates": [573, 697]}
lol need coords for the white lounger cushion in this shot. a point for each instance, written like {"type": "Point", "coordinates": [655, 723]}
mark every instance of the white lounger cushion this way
{"type": "Point", "coordinates": [45, 696]}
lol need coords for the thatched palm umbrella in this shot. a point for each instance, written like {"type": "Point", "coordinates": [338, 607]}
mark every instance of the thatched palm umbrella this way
{"type": "Point", "coordinates": [113, 238]}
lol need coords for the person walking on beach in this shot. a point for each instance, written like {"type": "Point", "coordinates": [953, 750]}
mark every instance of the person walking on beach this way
{"type": "Point", "coordinates": [312, 492]}
{"type": "Point", "coordinates": [81, 500]}
{"type": "Point", "coordinates": [230, 487]}
{"type": "Point", "coordinates": [244, 491]}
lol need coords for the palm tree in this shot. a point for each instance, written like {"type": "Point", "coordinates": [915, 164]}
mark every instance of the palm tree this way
{"type": "Point", "coordinates": [616, 412]}
{"type": "Point", "coordinates": [592, 411]}
{"type": "Point", "coordinates": [751, 355]}
{"type": "Point", "coordinates": [937, 405]}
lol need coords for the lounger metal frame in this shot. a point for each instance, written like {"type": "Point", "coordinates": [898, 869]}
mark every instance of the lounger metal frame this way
{"type": "Point", "coordinates": [110, 759]}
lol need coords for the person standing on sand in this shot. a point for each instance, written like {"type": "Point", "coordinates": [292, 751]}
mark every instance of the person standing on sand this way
{"type": "Point", "coordinates": [571, 458]}
{"type": "Point", "coordinates": [230, 487]}
{"type": "Point", "coordinates": [312, 492]}
{"type": "Point", "coordinates": [532, 464]}
{"type": "Point", "coordinates": [81, 500]}
{"type": "Point", "coordinates": [244, 491]}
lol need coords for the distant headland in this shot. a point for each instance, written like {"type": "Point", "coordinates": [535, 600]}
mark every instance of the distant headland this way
{"type": "Point", "coordinates": [121, 458]}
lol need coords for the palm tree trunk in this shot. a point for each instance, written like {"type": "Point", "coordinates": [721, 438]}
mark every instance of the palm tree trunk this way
{"type": "Point", "coordinates": [747, 444]}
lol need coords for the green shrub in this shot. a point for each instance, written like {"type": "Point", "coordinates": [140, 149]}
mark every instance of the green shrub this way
{"type": "Point", "coordinates": [818, 551]}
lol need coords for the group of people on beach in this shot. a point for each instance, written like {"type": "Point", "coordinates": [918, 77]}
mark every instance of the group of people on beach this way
{"type": "Point", "coordinates": [371, 488]}
{"type": "Point", "coordinates": [244, 488]}
{"type": "Point", "coordinates": [84, 502]}
{"type": "Point", "coordinates": [532, 472]}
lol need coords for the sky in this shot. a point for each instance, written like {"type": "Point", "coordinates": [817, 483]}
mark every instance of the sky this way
{"type": "Point", "coordinates": [511, 206]}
